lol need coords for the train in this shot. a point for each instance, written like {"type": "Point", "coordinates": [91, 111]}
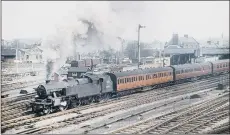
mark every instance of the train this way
{"type": "Point", "coordinates": [58, 96]}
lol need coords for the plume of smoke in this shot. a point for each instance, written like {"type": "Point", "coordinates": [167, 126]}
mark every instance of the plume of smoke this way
{"type": "Point", "coordinates": [91, 26]}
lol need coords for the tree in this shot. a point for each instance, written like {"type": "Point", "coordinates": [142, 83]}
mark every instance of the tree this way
{"type": "Point", "coordinates": [108, 54]}
{"type": "Point", "coordinates": [131, 50]}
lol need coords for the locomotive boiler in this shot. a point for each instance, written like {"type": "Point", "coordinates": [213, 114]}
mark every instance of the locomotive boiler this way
{"type": "Point", "coordinates": [53, 96]}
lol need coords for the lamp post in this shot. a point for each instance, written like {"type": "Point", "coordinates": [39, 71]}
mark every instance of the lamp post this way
{"type": "Point", "coordinates": [139, 57]}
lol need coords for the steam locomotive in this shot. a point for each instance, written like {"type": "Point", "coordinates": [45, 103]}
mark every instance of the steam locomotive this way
{"type": "Point", "coordinates": [55, 96]}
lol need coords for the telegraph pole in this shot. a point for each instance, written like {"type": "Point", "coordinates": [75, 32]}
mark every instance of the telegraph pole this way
{"type": "Point", "coordinates": [138, 42]}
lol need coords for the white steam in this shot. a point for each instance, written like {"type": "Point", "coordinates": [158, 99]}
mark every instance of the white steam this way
{"type": "Point", "coordinates": [91, 26]}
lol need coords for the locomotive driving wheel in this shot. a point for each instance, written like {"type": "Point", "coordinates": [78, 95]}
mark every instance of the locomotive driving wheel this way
{"type": "Point", "coordinates": [63, 106]}
{"type": "Point", "coordinates": [46, 110]}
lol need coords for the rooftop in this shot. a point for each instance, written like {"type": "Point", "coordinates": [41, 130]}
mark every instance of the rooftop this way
{"type": "Point", "coordinates": [8, 52]}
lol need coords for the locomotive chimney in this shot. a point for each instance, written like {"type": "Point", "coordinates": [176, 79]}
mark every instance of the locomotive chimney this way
{"type": "Point", "coordinates": [175, 39]}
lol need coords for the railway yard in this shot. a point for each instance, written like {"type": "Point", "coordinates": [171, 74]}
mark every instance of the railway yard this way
{"type": "Point", "coordinates": [115, 68]}
{"type": "Point", "coordinates": [196, 106]}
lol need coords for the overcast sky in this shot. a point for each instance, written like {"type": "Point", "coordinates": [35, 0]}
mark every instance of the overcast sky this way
{"type": "Point", "coordinates": [24, 19]}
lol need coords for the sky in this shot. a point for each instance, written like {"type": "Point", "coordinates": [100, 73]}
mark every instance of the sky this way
{"type": "Point", "coordinates": [41, 19]}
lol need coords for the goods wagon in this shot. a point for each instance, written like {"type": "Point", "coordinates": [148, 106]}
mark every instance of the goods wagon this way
{"type": "Point", "coordinates": [88, 62]}
{"type": "Point", "coordinates": [79, 63]}
{"type": "Point", "coordinates": [96, 62]}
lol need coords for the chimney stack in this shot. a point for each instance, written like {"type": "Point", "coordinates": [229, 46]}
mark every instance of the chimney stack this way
{"type": "Point", "coordinates": [47, 81]}
{"type": "Point", "coordinates": [175, 39]}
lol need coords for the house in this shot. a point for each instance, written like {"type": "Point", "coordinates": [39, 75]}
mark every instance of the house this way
{"type": "Point", "coordinates": [8, 55]}
{"type": "Point", "coordinates": [31, 55]}
{"type": "Point", "coordinates": [182, 42]}
{"type": "Point", "coordinates": [76, 72]}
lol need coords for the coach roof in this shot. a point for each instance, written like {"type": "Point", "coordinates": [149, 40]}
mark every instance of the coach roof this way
{"type": "Point", "coordinates": [141, 71]}
{"type": "Point", "coordinates": [220, 61]}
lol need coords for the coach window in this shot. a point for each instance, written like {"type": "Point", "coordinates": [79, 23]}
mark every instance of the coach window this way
{"type": "Point", "coordinates": [220, 65]}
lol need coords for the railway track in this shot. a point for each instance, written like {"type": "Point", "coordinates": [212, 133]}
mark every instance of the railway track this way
{"type": "Point", "coordinates": [221, 129]}
{"type": "Point", "coordinates": [87, 116]}
{"type": "Point", "coordinates": [23, 120]}
{"type": "Point", "coordinates": [185, 120]}
{"type": "Point", "coordinates": [19, 85]}
{"type": "Point", "coordinates": [13, 106]}
{"type": "Point", "coordinates": [14, 100]}
{"type": "Point", "coordinates": [23, 105]}
{"type": "Point", "coordinates": [8, 79]}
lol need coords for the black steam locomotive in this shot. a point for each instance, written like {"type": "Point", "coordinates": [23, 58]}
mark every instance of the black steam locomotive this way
{"type": "Point", "coordinates": [53, 96]}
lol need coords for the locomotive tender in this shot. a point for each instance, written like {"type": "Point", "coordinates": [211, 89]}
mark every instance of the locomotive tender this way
{"type": "Point", "coordinates": [53, 96]}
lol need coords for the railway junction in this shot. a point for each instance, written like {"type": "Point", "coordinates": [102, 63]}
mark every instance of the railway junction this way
{"type": "Point", "coordinates": [199, 105]}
